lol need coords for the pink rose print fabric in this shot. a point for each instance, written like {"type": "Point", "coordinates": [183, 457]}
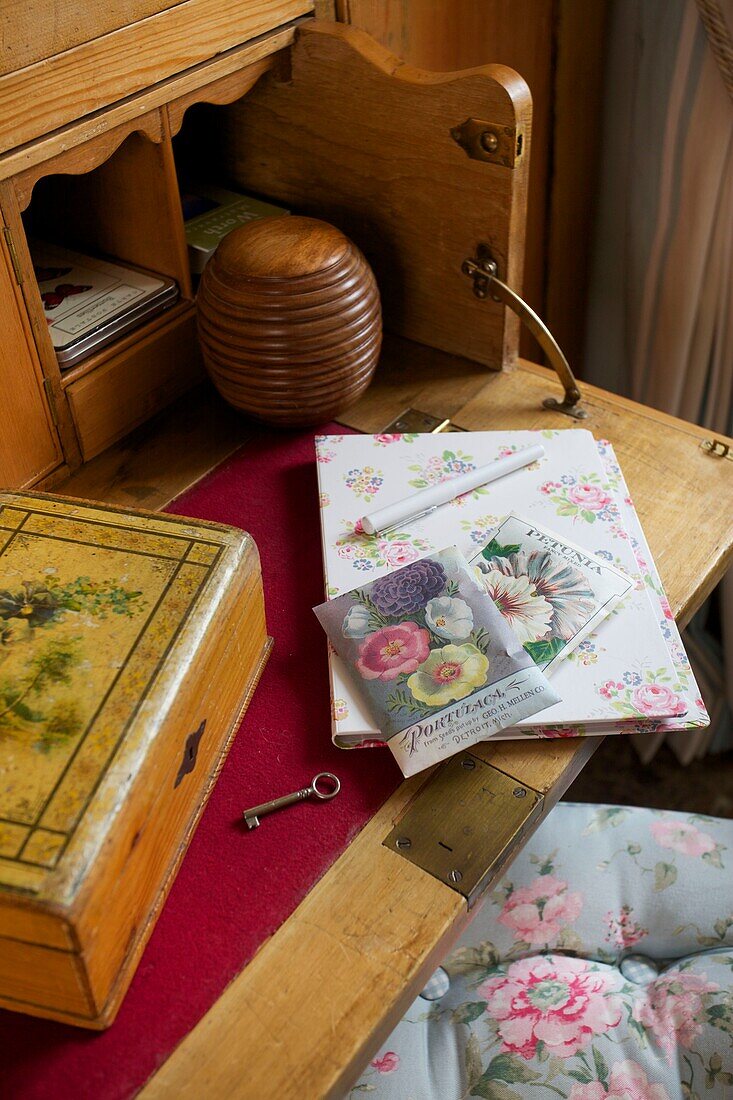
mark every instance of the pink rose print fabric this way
{"type": "Point", "coordinates": [672, 1009]}
{"type": "Point", "coordinates": [627, 1081]}
{"type": "Point", "coordinates": [623, 930]}
{"type": "Point", "coordinates": [681, 836]}
{"type": "Point", "coordinates": [599, 968]}
{"type": "Point", "coordinates": [557, 1001]}
{"type": "Point", "coordinates": [537, 912]}
{"type": "Point", "coordinates": [388, 1063]}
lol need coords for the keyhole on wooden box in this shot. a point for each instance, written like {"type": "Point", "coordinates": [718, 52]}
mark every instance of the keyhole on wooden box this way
{"type": "Point", "coordinates": [190, 752]}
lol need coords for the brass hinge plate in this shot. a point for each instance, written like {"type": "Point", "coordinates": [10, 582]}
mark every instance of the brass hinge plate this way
{"type": "Point", "coordinates": [464, 824]}
{"type": "Point", "coordinates": [13, 255]}
{"type": "Point", "coordinates": [717, 448]}
{"type": "Point", "coordinates": [483, 140]}
{"type": "Point", "coordinates": [415, 420]}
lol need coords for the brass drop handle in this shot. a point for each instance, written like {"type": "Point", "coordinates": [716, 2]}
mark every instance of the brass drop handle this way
{"type": "Point", "coordinates": [482, 269]}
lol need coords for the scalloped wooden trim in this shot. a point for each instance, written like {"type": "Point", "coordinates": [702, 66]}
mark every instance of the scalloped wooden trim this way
{"type": "Point", "coordinates": [226, 89]}
{"type": "Point", "coordinates": [86, 157]}
{"type": "Point", "coordinates": [101, 122]}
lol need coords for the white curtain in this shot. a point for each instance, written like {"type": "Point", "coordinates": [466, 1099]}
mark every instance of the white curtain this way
{"type": "Point", "coordinates": [660, 318]}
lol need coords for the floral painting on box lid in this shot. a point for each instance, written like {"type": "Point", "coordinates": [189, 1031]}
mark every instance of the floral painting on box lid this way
{"type": "Point", "coordinates": [424, 638]}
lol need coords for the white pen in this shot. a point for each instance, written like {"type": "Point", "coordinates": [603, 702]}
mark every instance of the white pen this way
{"type": "Point", "coordinates": [427, 500]}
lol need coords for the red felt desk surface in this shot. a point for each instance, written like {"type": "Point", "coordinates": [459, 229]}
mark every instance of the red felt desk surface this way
{"type": "Point", "coordinates": [235, 887]}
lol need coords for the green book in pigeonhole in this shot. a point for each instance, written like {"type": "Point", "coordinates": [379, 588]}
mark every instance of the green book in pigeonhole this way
{"type": "Point", "coordinates": [212, 212]}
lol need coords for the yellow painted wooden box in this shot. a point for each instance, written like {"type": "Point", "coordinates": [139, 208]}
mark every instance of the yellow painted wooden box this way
{"type": "Point", "coordinates": [130, 645]}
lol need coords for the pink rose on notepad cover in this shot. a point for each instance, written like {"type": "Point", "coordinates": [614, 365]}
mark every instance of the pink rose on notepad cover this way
{"type": "Point", "coordinates": [588, 496]}
{"type": "Point", "coordinates": [393, 651]}
{"type": "Point", "coordinates": [656, 698]}
{"type": "Point", "coordinates": [664, 603]}
{"type": "Point", "coordinates": [398, 553]}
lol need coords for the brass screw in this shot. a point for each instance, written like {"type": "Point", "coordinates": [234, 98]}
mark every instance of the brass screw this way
{"type": "Point", "coordinates": [455, 876]}
{"type": "Point", "coordinates": [403, 842]}
{"type": "Point", "coordinates": [519, 792]}
{"type": "Point", "coordinates": [489, 141]}
{"type": "Point", "coordinates": [468, 763]}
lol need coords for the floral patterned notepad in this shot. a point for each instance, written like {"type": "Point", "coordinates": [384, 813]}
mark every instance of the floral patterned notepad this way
{"type": "Point", "coordinates": [631, 675]}
{"type": "Point", "coordinates": [434, 659]}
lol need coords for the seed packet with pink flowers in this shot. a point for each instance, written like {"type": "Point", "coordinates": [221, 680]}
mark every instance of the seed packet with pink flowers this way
{"type": "Point", "coordinates": [551, 592]}
{"type": "Point", "coordinates": [437, 664]}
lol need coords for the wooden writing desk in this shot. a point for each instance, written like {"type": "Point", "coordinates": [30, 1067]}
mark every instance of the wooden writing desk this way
{"type": "Point", "coordinates": [375, 926]}
{"type": "Point", "coordinates": [92, 126]}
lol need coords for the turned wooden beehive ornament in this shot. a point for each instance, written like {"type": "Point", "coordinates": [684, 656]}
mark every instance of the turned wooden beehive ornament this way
{"type": "Point", "coordinates": [289, 320]}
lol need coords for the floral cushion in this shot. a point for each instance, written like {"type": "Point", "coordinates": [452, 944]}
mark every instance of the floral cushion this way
{"type": "Point", "coordinates": [599, 968]}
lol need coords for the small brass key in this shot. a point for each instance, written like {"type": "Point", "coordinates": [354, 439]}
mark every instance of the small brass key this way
{"type": "Point", "coordinates": [252, 816]}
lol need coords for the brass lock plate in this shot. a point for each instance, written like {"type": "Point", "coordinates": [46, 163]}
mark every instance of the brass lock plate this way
{"type": "Point", "coordinates": [464, 823]}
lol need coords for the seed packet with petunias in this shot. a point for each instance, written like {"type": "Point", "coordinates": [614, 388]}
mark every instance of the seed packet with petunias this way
{"type": "Point", "coordinates": [552, 593]}
{"type": "Point", "coordinates": [437, 664]}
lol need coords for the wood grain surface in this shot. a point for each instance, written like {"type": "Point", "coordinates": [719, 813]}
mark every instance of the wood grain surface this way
{"type": "Point", "coordinates": [558, 47]}
{"type": "Point", "coordinates": [259, 54]}
{"type": "Point", "coordinates": [289, 320]}
{"type": "Point", "coordinates": [448, 35]}
{"type": "Point", "coordinates": [34, 319]}
{"type": "Point", "coordinates": [31, 30]}
{"type": "Point", "coordinates": [143, 373]}
{"type": "Point", "coordinates": [57, 90]}
{"type": "Point", "coordinates": [163, 457]}
{"type": "Point", "coordinates": [29, 444]}
{"type": "Point", "coordinates": [364, 141]}
{"type": "Point", "coordinates": [575, 151]}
